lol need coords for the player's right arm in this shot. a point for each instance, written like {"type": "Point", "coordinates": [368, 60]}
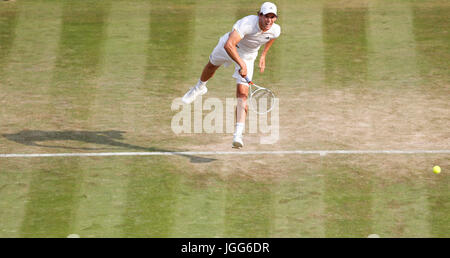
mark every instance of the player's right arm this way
{"type": "Point", "coordinates": [230, 47]}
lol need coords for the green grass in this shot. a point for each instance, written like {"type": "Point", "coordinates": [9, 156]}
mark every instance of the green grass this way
{"type": "Point", "coordinates": [141, 197]}
{"type": "Point", "coordinates": [97, 76]}
{"type": "Point", "coordinates": [345, 43]}
{"type": "Point", "coordinates": [8, 23]}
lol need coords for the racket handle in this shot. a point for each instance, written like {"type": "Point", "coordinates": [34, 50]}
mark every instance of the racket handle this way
{"type": "Point", "coordinates": [247, 79]}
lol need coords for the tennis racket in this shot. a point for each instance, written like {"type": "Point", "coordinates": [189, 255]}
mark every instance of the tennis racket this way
{"type": "Point", "coordinates": [261, 99]}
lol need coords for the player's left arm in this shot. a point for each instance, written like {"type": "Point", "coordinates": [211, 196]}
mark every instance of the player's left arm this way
{"type": "Point", "coordinates": [262, 59]}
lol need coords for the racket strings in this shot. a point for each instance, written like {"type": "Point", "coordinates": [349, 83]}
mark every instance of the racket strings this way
{"type": "Point", "coordinates": [262, 101]}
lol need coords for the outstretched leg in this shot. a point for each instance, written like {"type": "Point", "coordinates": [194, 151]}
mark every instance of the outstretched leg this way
{"type": "Point", "coordinates": [200, 87]}
{"type": "Point", "coordinates": [208, 72]}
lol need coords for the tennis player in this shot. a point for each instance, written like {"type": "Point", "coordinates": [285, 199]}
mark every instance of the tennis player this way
{"type": "Point", "coordinates": [240, 46]}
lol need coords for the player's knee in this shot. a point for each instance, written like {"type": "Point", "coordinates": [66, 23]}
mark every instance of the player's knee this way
{"type": "Point", "coordinates": [241, 96]}
{"type": "Point", "coordinates": [242, 92]}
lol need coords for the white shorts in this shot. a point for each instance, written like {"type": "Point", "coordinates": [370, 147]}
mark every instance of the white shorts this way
{"type": "Point", "coordinates": [220, 57]}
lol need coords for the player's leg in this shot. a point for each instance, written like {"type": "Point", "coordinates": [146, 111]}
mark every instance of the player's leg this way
{"type": "Point", "coordinates": [242, 90]}
{"type": "Point", "coordinates": [241, 112]}
{"type": "Point", "coordinates": [200, 87]}
{"type": "Point", "coordinates": [217, 58]}
{"type": "Point", "coordinates": [208, 72]}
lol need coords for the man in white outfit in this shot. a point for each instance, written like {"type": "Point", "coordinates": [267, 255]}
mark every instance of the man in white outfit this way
{"type": "Point", "coordinates": [240, 46]}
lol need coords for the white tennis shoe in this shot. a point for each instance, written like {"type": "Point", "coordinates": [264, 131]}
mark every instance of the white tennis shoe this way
{"type": "Point", "coordinates": [193, 92]}
{"type": "Point", "coordinates": [238, 142]}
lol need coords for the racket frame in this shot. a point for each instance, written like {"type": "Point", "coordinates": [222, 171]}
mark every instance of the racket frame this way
{"type": "Point", "coordinates": [254, 88]}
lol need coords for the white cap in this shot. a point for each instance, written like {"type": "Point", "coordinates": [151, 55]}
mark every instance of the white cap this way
{"type": "Point", "coordinates": [268, 7]}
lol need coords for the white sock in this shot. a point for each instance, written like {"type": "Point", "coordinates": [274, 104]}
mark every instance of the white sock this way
{"type": "Point", "coordinates": [240, 128]}
{"type": "Point", "coordinates": [200, 84]}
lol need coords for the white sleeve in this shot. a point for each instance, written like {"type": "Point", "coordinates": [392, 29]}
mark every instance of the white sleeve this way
{"type": "Point", "coordinates": [243, 27]}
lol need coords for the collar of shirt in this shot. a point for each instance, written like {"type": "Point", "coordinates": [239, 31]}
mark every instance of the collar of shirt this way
{"type": "Point", "coordinates": [260, 31]}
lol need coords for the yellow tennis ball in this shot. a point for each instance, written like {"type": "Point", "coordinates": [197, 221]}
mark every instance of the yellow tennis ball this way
{"type": "Point", "coordinates": [437, 169]}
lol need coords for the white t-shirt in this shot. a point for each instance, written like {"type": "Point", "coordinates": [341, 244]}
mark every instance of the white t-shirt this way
{"type": "Point", "coordinates": [252, 37]}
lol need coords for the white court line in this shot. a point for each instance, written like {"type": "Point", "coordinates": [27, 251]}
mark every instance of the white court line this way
{"type": "Point", "coordinates": [237, 152]}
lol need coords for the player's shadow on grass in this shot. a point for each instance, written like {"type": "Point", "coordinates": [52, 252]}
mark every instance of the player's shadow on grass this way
{"type": "Point", "coordinates": [110, 138]}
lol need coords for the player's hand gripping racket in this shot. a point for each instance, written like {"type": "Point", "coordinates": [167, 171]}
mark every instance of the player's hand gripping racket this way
{"type": "Point", "coordinates": [261, 99]}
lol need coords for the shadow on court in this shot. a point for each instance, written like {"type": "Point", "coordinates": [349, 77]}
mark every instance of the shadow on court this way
{"type": "Point", "coordinates": [110, 138]}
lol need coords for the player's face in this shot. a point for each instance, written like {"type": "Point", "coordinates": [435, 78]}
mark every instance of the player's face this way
{"type": "Point", "coordinates": [266, 21]}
